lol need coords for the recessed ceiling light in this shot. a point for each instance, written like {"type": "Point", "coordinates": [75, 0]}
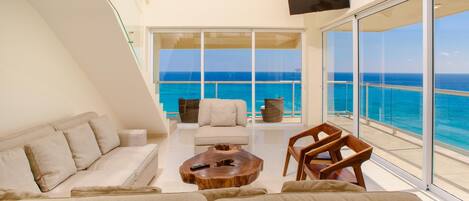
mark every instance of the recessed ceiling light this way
{"type": "Point", "coordinates": [437, 5]}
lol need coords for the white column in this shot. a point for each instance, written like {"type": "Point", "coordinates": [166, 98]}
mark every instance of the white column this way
{"type": "Point", "coordinates": [428, 92]}
{"type": "Point", "coordinates": [202, 64]}
{"type": "Point", "coordinates": [253, 77]}
{"type": "Point", "coordinates": [356, 81]}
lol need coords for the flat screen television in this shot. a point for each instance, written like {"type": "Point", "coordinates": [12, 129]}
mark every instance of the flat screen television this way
{"type": "Point", "coordinates": [308, 6]}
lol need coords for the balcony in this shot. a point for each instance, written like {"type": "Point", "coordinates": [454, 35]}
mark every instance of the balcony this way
{"type": "Point", "coordinates": [393, 126]}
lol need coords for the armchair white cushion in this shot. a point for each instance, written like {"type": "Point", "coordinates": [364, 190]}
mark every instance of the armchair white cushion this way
{"type": "Point", "coordinates": [208, 135]}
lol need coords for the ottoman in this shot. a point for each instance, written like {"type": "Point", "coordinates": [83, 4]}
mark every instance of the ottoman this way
{"type": "Point", "coordinates": [207, 136]}
{"type": "Point", "coordinates": [133, 137]}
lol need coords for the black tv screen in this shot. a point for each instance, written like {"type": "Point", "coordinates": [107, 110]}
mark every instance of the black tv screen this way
{"type": "Point", "coordinates": [308, 6]}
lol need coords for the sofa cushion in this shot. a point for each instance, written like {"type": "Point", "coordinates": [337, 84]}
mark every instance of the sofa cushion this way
{"type": "Point", "coordinates": [215, 194]}
{"type": "Point", "coordinates": [191, 196]}
{"type": "Point", "coordinates": [51, 160]}
{"type": "Point", "coordinates": [15, 171]}
{"type": "Point", "coordinates": [93, 191]}
{"type": "Point", "coordinates": [329, 196]}
{"type": "Point", "coordinates": [74, 121]}
{"type": "Point", "coordinates": [223, 113]}
{"type": "Point", "coordinates": [92, 178]}
{"type": "Point", "coordinates": [214, 135]}
{"type": "Point", "coordinates": [9, 194]}
{"type": "Point", "coordinates": [131, 158]}
{"type": "Point", "coordinates": [106, 134]}
{"type": "Point", "coordinates": [320, 186]}
{"type": "Point", "coordinates": [21, 138]}
{"type": "Point", "coordinates": [83, 145]}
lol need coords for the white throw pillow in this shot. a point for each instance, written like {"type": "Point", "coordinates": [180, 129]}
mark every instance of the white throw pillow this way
{"type": "Point", "coordinates": [83, 145]}
{"type": "Point", "coordinates": [223, 113]}
{"type": "Point", "coordinates": [51, 160]}
{"type": "Point", "coordinates": [204, 111]}
{"type": "Point", "coordinates": [15, 172]}
{"type": "Point", "coordinates": [106, 134]}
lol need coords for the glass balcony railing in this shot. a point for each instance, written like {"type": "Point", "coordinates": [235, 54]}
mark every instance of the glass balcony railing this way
{"type": "Point", "coordinates": [171, 91]}
{"type": "Point", "coordinates": [398, 108]}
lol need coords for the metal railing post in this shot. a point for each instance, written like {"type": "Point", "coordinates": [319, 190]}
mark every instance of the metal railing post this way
{"type": "Point", "coordinates": [366, 100]}
{"type": "Point", "coordinates": [216, 89]}
{"type": "Point", "coordinates": [293, 99]}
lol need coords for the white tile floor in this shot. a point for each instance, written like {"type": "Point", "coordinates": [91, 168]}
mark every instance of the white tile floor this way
{"type": "Point", "coordinates": [269, 143]}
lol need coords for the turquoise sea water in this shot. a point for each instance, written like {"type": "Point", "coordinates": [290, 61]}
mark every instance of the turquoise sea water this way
{"type": "Point", "coordinates": [396, 107]}
{"type": "Point", "coordinates": [403, 109]}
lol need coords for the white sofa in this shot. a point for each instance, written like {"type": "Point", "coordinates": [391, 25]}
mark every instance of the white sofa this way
{"type": "Point", "coordinates": [208, 135]}
{"type": "Point", "coordinates": [135, 165]}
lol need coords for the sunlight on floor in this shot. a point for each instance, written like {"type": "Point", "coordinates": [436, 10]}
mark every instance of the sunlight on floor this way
{"type": "Point", "coordinates": [268, 143]}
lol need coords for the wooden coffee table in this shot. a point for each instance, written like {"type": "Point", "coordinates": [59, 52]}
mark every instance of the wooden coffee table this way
{"type": "Point", "coordinates": [243, 170]}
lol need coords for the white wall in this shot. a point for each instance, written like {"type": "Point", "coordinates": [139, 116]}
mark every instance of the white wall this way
{"type": "Point", "coordinates": [39, 80]}
{"type": "Point", "coordinates": [222, 13]}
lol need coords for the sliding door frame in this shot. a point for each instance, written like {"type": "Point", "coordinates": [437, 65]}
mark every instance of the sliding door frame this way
{"type": "Point", "coordinates": [426, 181]}
{"type": "Point", "coordinates": [155, 30]}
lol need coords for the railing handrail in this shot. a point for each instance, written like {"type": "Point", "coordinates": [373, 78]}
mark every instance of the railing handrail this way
{"type": "Point", "coordinates": [289, 82]}
{"type": "Point", "coordinates": [407, 88]}
{"type": "Point", "coordinates": [231, 82]}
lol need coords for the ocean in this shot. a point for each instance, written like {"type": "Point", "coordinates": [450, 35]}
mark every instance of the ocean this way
{"type": "Point", "coordinates": [397, 107]}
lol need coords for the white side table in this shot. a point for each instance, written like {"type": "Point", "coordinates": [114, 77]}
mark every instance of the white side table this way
{"type": "Point", "coordinates": [133, 137]}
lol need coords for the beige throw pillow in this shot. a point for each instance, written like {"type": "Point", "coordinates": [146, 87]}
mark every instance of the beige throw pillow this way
{"type": "Point", "coordinates": [51, 160]}
{"type": "Point", "coordinates": [15, 172]}
{"type": "Point", "coordinates": [204, 111]}
{"type": "Point", "coordinates": [106, 134]}
{"type": "Point", "coordinates": [223, 113]}
{"type": "Point", "coordinates": [83, 145]}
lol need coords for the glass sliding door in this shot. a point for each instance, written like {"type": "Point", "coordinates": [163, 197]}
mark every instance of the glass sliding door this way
{"type": "Point", "coordinates": [451, 109]}
{"type": "Point", "coordinates": [390, 66]}
{"type": "Point", "coordinates": [228, 66]}
{"type": "Point", "coordinates": [278, 77]}
{"type": "Point", "coordinates": [177, 68]}
{"type": "Point", "coordinates": [338, 62]}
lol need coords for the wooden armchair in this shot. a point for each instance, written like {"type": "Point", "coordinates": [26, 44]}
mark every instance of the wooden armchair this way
{"type": "Point", "coordinates": [336, 168]}
{"type": "Point", "coordinates": [298, 152]}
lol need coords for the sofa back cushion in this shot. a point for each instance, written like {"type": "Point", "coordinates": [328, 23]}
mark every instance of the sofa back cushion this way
{"type": "Point", "coordinates": [15, 172]}
{"type": "Point", "coordinates": [205, 111]}
{"type": "Point", "coordinates": [51, 160]}
{"type": "Point", "coordinates": [19, 139]}
{"type": "Point", "coordinates": [342, 196]}
{"type": "Point", "coordinates": [74, 121]}
{"type": "Point", "coordinates": [106, 134]}
{"type": "Point", "coordinates": [223, 113]}
{"type": "Point", "coordinates": [83, 145]}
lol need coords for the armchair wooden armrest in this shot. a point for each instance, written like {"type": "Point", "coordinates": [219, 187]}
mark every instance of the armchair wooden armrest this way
{"type": "Point", "coordinates": [354, 161]}
{"type": "Point", "coordinates": [320, 143]}
{"type": "Point", "coordinates": [329, 147]}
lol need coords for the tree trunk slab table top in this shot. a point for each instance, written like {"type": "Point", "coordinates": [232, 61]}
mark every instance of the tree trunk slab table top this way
{"type": "Point", "coordinates": [230, 166]}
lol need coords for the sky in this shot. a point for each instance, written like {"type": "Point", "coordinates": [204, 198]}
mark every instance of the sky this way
{"type": "Point", "coordinates": [397, 50]}
{"type": "Point", "coordinates": [400, 50]}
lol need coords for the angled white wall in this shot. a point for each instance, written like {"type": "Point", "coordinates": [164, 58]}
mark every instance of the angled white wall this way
{"type": "Point", "coordinates": [40, 81]}
{"type": "Point", "coordinates": [92, 34]}
{"type": "Point", "coordinates": [220, 13]}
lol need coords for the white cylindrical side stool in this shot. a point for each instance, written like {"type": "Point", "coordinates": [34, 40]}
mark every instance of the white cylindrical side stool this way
{"type": "Point", "coordinates": [133, 137]}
